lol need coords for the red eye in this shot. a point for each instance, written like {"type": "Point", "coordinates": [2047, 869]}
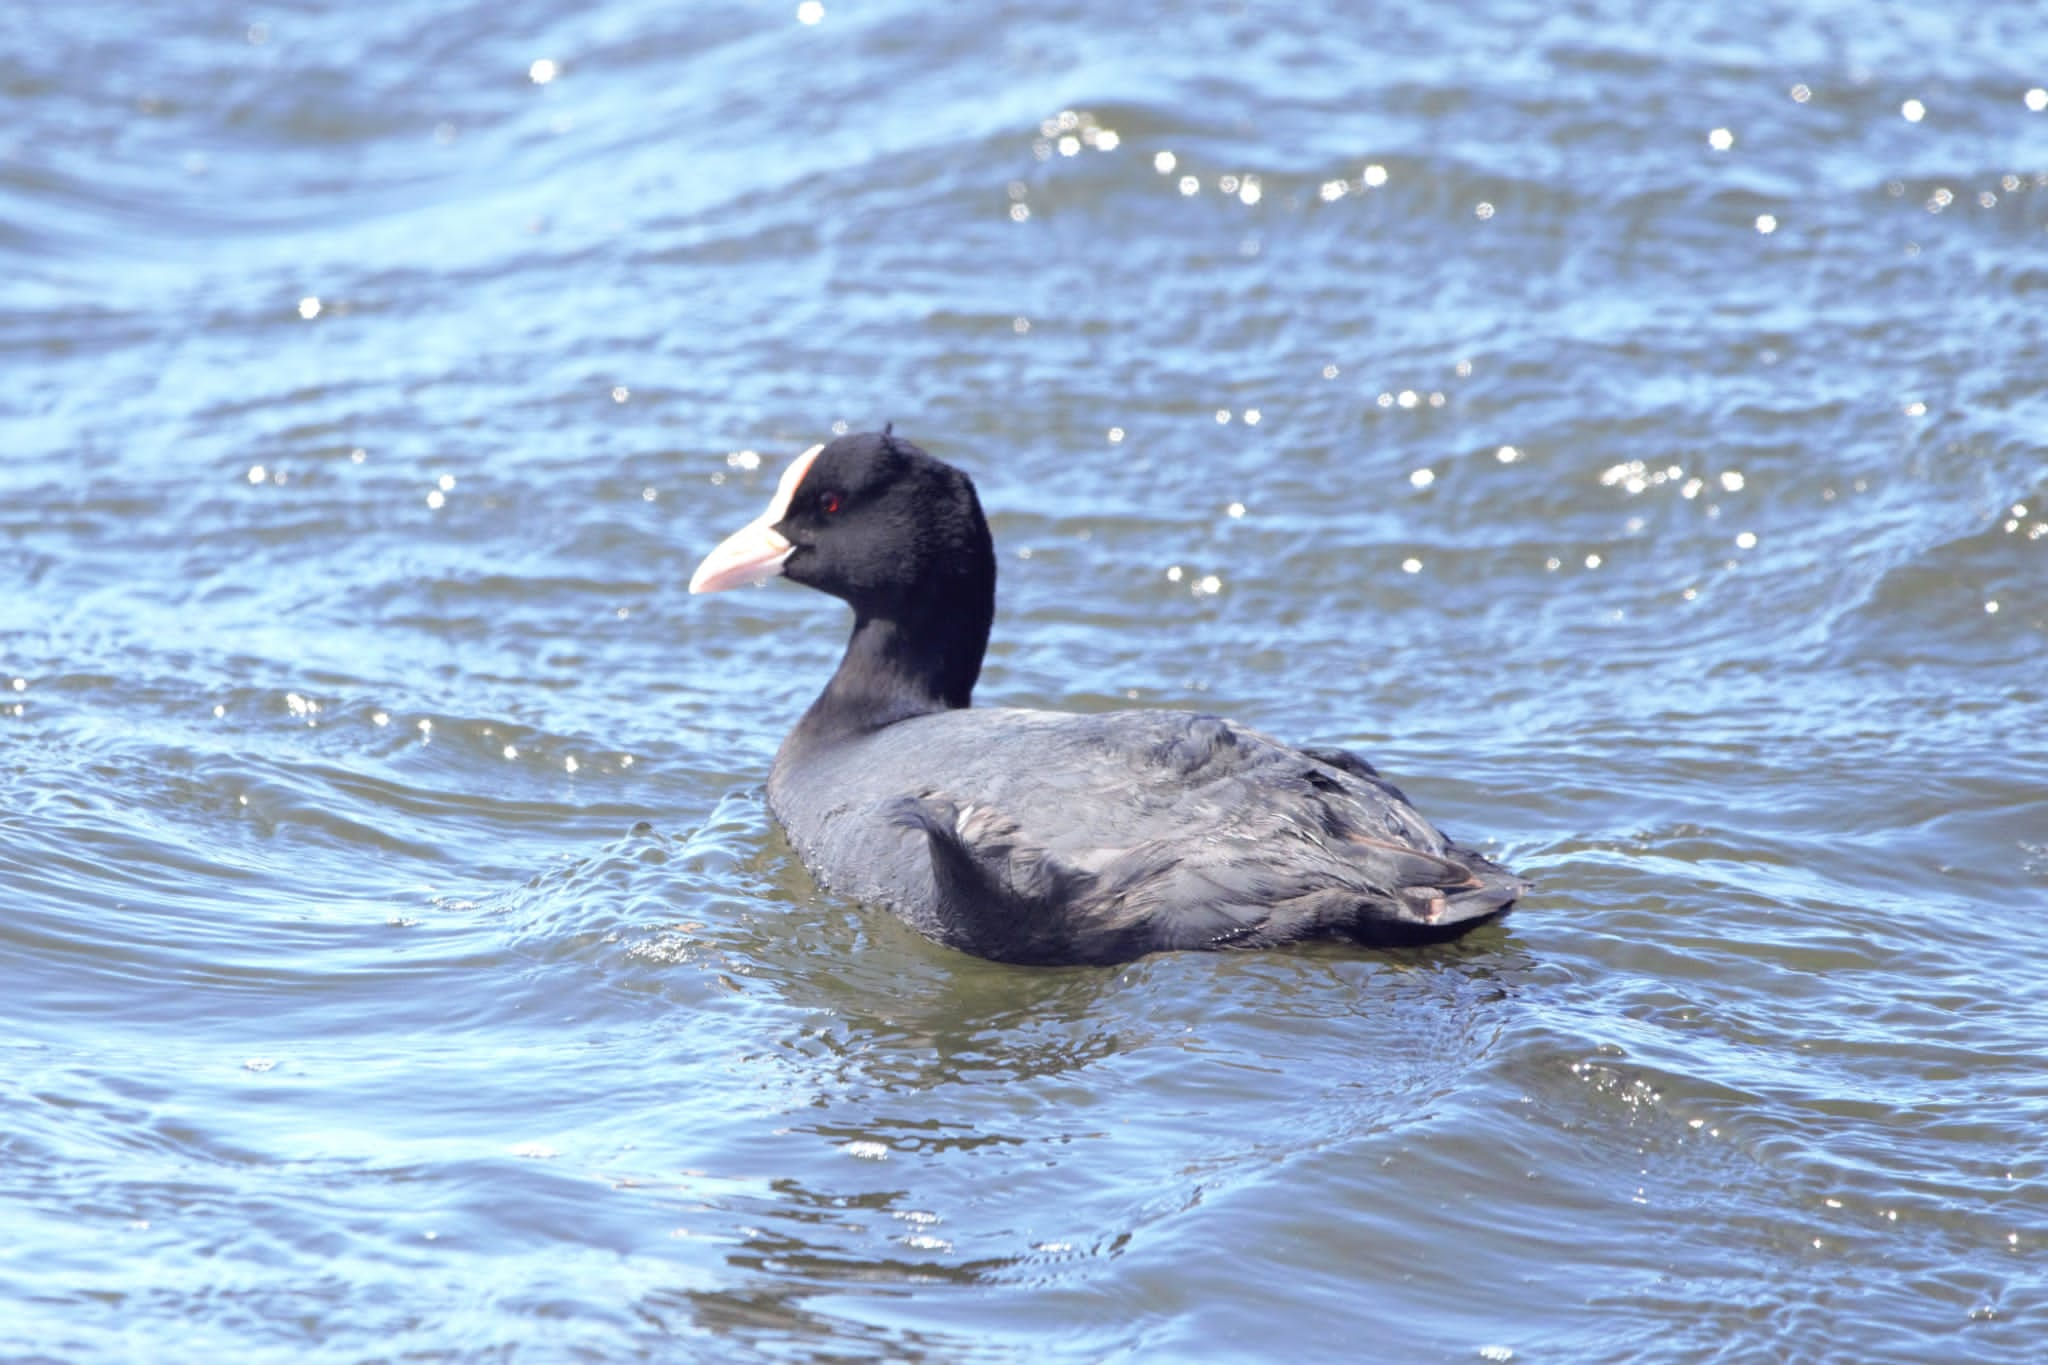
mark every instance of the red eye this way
{"type": "Point", "coordinates": [829, 504]}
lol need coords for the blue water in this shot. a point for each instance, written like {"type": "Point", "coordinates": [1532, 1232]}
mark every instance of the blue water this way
{"type": "Point", "coordinates": [1626, 426]}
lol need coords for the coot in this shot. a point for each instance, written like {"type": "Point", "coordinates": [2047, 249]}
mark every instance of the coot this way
{"type": "Point", "coordinates": [1039, 836]}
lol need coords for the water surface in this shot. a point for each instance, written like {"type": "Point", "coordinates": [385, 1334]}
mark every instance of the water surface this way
{"type": "Point", "coordinates": [1625, 426]}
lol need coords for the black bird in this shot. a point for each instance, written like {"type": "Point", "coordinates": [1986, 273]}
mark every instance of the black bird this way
{"type": "Point", "coordinates": [1039, 836]}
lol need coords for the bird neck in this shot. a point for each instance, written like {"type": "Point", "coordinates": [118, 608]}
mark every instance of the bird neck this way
{"type": "Point", "coordinates": [908, 663]}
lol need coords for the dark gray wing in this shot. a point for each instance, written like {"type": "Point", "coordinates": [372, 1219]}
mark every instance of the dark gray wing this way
{"type": "Point", "coordinates": [1100, 838]}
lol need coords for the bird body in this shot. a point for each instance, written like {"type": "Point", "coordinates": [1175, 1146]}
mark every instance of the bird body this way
{"type": "Point", "coordinates": [1050, 837]}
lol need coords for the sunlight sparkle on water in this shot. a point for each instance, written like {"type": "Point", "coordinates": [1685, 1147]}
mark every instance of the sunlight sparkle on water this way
{"type": "Point", "coordinates": [810, 12]}
{"type": "Point", "coordinates": [2037, 99]}
{"type": "Point", "coordinates": [543, 70]}
{"type": "Point", "coordinates": [1720, 139]}
{"type": "Point", "coordinates": [1912, 111]}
